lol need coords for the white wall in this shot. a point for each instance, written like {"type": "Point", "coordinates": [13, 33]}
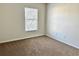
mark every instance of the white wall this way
{"type": "Point", "coordinates": [12, 21]}
{"type": "Point", "coordinates": [63, 23]}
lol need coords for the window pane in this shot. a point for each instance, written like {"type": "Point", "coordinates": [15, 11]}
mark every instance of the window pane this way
{"type": "Point", "coordinates": [31, 19]}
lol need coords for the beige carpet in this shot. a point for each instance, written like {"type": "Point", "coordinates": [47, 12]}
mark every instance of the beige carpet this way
{"type": "Point", "coordinates": [39, 46]}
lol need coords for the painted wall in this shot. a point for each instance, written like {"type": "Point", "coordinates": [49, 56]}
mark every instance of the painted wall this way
{"type": "Point", "coordinates": [63, 23]}
{"type": "Point", "coordinates": [12, 21]}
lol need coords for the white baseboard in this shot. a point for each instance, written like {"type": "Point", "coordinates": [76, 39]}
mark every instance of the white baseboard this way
{"type": "Point", "coordinates": [4, 41]}
{"type": "Point", "coordinates": [68, 43]}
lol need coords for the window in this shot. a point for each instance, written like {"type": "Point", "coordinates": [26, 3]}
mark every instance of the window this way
{"type": "Point", "coordinates": [31, 19]}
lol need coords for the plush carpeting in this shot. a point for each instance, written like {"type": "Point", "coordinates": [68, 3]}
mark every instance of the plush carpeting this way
{"type": "Point", "coordinates": [38, 46]}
